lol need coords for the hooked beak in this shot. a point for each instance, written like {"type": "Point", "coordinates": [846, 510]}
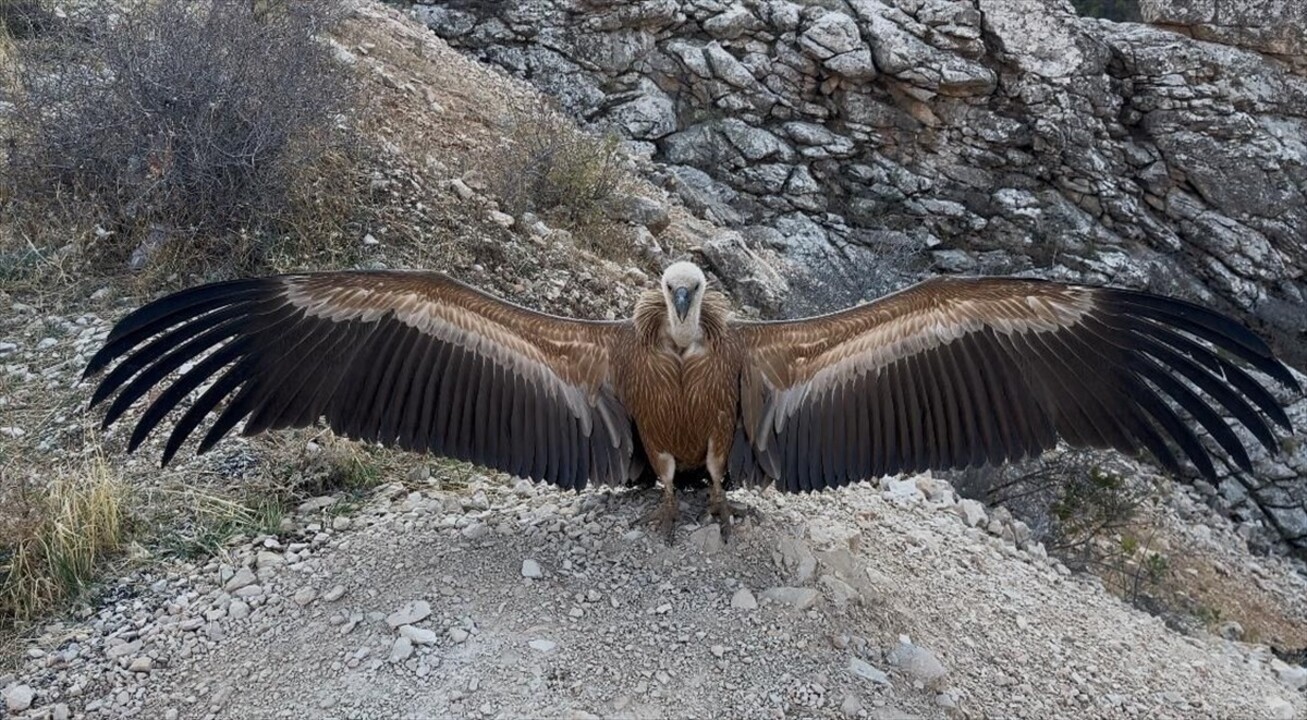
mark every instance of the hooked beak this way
{"type": "Point", "coordinates": [682, 302]}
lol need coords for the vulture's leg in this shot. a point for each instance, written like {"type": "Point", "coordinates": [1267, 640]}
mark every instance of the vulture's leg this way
{"type": "Point", "coordinates": [723, 510]}
{"type": "Point", "coordinates": [717, 503]}
{"type": "Point", "coordinates": [664, 517]}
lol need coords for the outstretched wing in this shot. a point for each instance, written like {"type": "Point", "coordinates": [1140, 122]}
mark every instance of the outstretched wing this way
{"type": "Point", "coordinates": [413, 359]}
{"type": "Point", "coordinates": [962, 372]}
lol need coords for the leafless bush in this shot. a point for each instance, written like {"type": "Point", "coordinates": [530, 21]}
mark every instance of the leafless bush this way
{"type": "Point", "coordinates": [1088, 510]}
{"type": "Point", "coordinates": [1069, 499]}
{"type": "Point", "coordinates": [173, 117]}
{"type": "Point", "coordinates": [25, 18]}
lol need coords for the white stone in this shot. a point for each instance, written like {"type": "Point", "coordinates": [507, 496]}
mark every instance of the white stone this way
{"type": "Point", "coordinates": [1279, 708]}
{"type": "Point", "coordinates": [413, 612]}
{"type": "Point", "coordinates": [797, 598]}
{"type": "Point", "coordinates": [461, 189]}
{"type": "Point", "coordinates": [919, 663]}
{"type": "Point", "coordinates": [867, 671]}
{"type": "Point", "coordinates": [19, 697]}
{"type": "Point", "coordinates": [972, 512]}
{"type": "Point", "coordinates": [401, 650]}
{"type": "Point", "coordinates": [531, 569]}
{"type": "Point", "coordinates": [123, 650]}
{"type": "Point", "coordinates": [419, 636]}
{"type": "Point", "coordinates": [269, 559]}
{"type": "Point", "coordinates": [707, 538]}
{"type": "Point", "coordinates": [743, 599]}
{"type": "Point", "coordinates": [1292, 676]}
{"type": "Point", "coordinates": [902, 491]}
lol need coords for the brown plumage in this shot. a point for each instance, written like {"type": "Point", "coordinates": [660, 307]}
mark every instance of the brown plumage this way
{"type": "Point", "coordinates": [950, 373]}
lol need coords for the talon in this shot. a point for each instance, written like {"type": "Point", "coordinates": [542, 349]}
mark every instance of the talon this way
{"type": "Point", "coordinates": [725, 512]}
{"type": "Point", "coordinates": [663, 518]}
{"type": "Point", "coordinates": [728, 513]}
{"type": "Point", "coordinates": [739, 509]}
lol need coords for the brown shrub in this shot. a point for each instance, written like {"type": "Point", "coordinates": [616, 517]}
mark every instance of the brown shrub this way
{"type": "Point", "coordinates": [174, 119]}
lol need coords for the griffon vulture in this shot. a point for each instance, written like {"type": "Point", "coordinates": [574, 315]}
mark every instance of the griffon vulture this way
{"type": "Point", "coordinates": [950, 373]}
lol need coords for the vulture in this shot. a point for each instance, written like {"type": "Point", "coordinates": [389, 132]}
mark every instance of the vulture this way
{"type": "Point", "coordinates": [950, 373]}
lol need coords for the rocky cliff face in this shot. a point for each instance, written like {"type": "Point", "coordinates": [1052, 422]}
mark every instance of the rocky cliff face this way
{"type": "Point", "coordinates": [849, 144]}
{"type": "Point", "coordinates": [1277, 28]}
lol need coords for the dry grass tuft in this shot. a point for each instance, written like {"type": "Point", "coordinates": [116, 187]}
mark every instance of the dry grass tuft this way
{"type": "Point", "coordinates": [58, 540]}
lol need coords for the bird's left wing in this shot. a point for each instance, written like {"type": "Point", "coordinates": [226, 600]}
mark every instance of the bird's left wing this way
{"type": "Point", "coordinates": [961, 372]}
{"type": "Point", "coordinates": [414, 359]}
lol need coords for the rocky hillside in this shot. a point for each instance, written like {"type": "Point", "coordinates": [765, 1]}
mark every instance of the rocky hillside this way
{"type": "Point", "coordinates": [854, 145]}
{"type": "Point", "coordinates": [427, 590]}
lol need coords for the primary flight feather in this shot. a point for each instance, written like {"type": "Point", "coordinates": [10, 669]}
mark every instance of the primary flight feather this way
{"type": "Point", "coordinates": [948, 374]}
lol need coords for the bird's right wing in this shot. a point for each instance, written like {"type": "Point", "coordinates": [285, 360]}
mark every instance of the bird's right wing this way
{"type": "Point", "coordinates": [413, 359]}
{"type": "Point", "coordinates": [961, 372]}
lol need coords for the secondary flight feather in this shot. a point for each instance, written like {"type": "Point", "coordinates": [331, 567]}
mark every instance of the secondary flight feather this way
{"type": "Point", "coordinates": [948, 374]}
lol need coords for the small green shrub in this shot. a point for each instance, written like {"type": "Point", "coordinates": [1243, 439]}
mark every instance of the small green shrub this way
{"type": "Point", "coordinates": [201, 523]}
{"type": "Point", "coordinates": [1069, 499]}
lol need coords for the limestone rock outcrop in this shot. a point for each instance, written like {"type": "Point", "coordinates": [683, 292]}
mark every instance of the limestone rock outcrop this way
{"type": "Point", "coordinates": [1274, 27]}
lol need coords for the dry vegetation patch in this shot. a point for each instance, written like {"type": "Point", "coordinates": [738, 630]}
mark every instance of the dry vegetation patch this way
{"type": "Point", "coordinates": [1101, 514]}
{"type": "Point", "coordinates": [55, 538]}
{"type": "Point", "coordinates": [568, 177]}
{"type": "Point", "coordinates": [142, 125]}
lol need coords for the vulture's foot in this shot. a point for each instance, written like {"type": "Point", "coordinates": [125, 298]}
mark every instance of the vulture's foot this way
{"type": "Point", "coordinates": [664, 518]}
{"type": "Point", "coordinates": [724, 511]}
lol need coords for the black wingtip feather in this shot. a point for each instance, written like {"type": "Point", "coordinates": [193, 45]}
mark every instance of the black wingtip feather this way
{"type": "Point", "coordinates": [1221, 330]}
{"type": "Point", "coordinates": [182, 387]}
{"type": "Point", "coordinates": [169, 310]}
{"type": "Point", "coordinates": [1199, 410]}
{"type": "Point", "coordinates": [196, 413]}
{"type": "Point", "coordinates": [1204, 380]}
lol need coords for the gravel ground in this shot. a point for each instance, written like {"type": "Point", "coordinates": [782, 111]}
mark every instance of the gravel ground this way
{"type": "Point", "coordinates": [498, 600]}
